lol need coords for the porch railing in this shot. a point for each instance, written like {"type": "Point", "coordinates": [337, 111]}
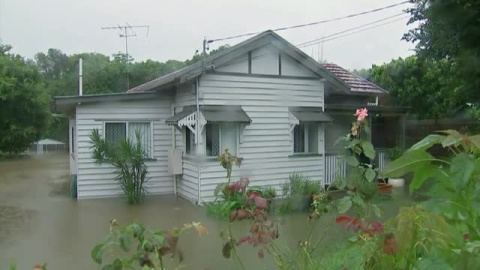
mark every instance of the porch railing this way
{"type": "Point", "coordinates": [336, 167]}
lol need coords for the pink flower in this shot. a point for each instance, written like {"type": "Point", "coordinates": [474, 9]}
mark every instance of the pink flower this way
{"type": "Point", "coordinates": [361, 114]}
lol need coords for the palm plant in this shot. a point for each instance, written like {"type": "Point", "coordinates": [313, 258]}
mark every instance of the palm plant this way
{"type": "Point", "coordinates": [129, 160]}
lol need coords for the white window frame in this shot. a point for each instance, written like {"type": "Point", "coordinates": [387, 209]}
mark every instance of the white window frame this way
{"type": "Point", "coordinates": [306, 139]}
{"type": "Point", "coordinates": [127, 124]}
{"type": "Point", "coordinates": [237, 138]}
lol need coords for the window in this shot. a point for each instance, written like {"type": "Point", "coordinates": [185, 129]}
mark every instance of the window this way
{"type": "Point", "coordinates": [305, 138]}
{"type": "Point", "coordinates": [117, 131]}
{"type": "Point", "coordinates": [220, 136]}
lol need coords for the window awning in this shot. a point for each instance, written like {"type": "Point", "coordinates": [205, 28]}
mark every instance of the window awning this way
{"type": "Point", "coordinates": [310, 114]}
{"type": "Point", "coordinates": [213, 114]}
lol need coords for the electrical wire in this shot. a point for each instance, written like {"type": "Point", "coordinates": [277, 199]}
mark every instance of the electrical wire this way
{"type": "Point", "coordinates": [356, 32]}
{"type": "Point", "coordinates": [314, 41]}
{"type": "Point", "coordinates": [312, 23]}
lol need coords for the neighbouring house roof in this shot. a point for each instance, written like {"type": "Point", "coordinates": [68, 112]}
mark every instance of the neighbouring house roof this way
{"type": "Point", "coordinates": [310, 114]}
{"type": "Point", "coordinates": [356, 83]}
{"type": "Point", "coordinates": [213, 114]}
{"type": "Point", "coordinates": [262, 39]}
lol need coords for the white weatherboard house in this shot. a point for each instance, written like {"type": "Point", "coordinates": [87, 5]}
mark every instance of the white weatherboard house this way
{"type": "Point", "coordinates": [264, 99]}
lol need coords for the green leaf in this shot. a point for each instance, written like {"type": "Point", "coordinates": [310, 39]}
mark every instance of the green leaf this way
{"type": "Point", "coordinates": [420, 176]}
{"type": "Point", "coordinates": [376, 210]}
{"type": "Point", "coordinates": [410, 161]}
{"type": "Point", "coordinates": [358, 200]}
{"type": "Point", "coordinates": [138, 230]}
{"type": "Point", "coordinates": [344, 204]}
{"type": "Point", "coordinates": [461, 169]}
{"type": "Point", "coordinates": [97, 253]}
{"type": "Point", "coordinates": [226, 250]}
{"type": "Point", "coordinates": [432, 264]}
{"type": "Point", "coordinates": [368, 149]}
{"type": "Point", "coordinates": [351, 160]}
{"type": "Point", "coordinates": [125, 242]}
{"type": "Point", "coordinates": [451, 140]}
{"type": "Point", "coordinates": [427, 142]}
{"type": "Point", "coordinates": [353, 239]}
{"type": "Point", "coordinates": [159, 238]}
{"type": "Point", "coordinates": [475, 140]}
{"type": "Point", "coordinates": [370, 174]}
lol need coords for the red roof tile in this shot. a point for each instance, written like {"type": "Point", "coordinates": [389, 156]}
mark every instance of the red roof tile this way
{"type": "Point", "coordinates": [356, 83]}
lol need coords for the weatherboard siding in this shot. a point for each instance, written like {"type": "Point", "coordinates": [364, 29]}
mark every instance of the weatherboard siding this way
{"type": "Point", "coordinates": [99, 181]}
{"type": "Point", "coordinates": [187, 184]}
{"type": "Point", "coordinates": [266, 146]}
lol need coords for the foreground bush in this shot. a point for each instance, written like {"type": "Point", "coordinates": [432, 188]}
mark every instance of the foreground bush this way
{"type": "Point", "coordinates": [143, 247]}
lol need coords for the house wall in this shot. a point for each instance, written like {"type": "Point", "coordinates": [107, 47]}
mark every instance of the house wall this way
{"type": "Point", "coordinates": [187, 184]}
{"type": "Point", "coordinates": [267, 147]}
{"type": "Point", "coordinates": [98, 181]}
{"type": "Point", "coordinates": [72, 150]}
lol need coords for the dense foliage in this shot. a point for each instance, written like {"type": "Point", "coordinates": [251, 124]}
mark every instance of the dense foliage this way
{"type": "Point", "coordinates": [142, 247]}
{"type": "Point", "coordinates": [23, 103]}
{"type": "Point", "coordinates": [431, 88]}
{"type": "Point", "coordinates": [449, 30]}
{"type": "Point", "coordinates": [128, 158]}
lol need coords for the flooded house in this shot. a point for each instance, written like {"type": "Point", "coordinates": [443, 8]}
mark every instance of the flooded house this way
{"type": "Point", "coordinates": [263, 99]}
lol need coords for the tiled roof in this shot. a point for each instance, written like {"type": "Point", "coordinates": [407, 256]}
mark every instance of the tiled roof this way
{"type": "Point", "coordinates": [356, 83]}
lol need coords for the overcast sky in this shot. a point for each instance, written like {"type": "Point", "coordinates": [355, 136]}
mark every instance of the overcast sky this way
{"type": "Point", "coordinates": [177, 27]}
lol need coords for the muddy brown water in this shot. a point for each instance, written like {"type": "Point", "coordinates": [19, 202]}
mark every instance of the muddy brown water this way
{"type": "Point", "coordinates": [40, 223]}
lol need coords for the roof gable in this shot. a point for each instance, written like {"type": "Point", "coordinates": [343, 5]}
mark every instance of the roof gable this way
{"type": "Point", "coordinates": [236, 51]}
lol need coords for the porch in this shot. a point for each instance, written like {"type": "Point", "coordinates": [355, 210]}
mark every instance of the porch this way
{"type": "Point", "coordinates": [387, 131]}
{"type": "Point", "coordinates": [336, 167]}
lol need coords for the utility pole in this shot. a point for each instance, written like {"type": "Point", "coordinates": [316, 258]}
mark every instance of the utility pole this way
{"type": "Point", "coordinates": [125, 33]}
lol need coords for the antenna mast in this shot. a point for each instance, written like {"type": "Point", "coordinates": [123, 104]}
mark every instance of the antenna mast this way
{"type": "Point", "coordinates": [126, 31]}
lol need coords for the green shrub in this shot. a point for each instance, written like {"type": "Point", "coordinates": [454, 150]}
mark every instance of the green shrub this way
{"type": "Point", "coordinates": [129, 160]}
{"type": "Point", "coordinates": [297, 193]}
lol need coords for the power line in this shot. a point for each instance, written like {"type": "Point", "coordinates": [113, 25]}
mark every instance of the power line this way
{"type": "Point", "coordinates": [312, 23]}
{"type": "Point", "coordinates": [356, 32]}
{"type": "Point", "coordinates": [313, 42]}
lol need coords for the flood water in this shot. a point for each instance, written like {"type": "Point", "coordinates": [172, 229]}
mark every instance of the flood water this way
{"type": "Point", "coordinates": [39, 222]}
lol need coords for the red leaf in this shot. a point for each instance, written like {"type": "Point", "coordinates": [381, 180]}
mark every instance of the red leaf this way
{"type": "Point", "coordinates": [466, 236]}
{"type": "Point", "coordinates": [260, 202]}
{"type": "Point", "coordinates": [260, 254]}
{"type": "Point", "coordinates": [353, 221]}
{"type": "Point", "coordinates": [241, 214]}
{"type": "Point", "coordinates": [389, 244]}
{"type": "Point", "coordinates": [233, 215]}
{"type": "Point", "coordinates": [253, 194]}
{"type": "Point", "coordinates": [243, 239]}
{"type": "Point", "coordinates": [377, 226]}
{"type": "Point", "coordinates": [341, 219]}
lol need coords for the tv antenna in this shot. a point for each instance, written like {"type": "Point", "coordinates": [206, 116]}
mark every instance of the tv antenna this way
{"type": "Point", "coordinates": [126, 31]}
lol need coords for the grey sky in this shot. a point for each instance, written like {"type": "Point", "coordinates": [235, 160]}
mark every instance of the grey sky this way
{"type": "Point", "coordinates": [177, 27]}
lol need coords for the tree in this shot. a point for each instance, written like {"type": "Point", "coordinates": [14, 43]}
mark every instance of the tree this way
{"type": "Point", "coordinates": [23, 103]}
{"type": "Point", "coordinates": [450, 30]}
{"type": "Point", "coordinates": [429, 87]}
